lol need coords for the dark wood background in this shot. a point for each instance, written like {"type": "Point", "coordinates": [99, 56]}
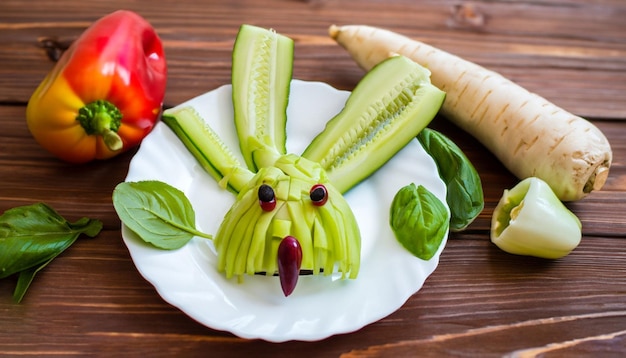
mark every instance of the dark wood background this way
{"type": "Point", "coordinates": [479, 302]}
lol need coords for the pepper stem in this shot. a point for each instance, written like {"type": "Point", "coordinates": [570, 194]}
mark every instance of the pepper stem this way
{"type": "Point", "coordinates": [103, 118]}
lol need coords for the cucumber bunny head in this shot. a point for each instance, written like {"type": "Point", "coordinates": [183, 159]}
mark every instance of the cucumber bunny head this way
{"type": "Point", "coordinates": [293, 203]}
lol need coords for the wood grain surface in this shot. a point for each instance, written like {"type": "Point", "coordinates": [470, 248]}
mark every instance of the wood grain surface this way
{"type": "Point", "coordinates": [480, 301]}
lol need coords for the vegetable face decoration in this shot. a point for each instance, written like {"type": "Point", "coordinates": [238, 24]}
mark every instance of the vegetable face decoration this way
{"type": "Point", "coordinates": [290, 217]}
{"type": "Point", "coordinates": [105, 93]}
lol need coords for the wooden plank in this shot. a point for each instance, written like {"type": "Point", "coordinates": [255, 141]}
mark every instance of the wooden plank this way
{"type": "Point", "coordinates": [570, 64]}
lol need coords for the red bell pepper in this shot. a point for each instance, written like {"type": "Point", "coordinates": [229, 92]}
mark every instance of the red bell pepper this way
{"type": "Point", "coordinates": [105, 93]}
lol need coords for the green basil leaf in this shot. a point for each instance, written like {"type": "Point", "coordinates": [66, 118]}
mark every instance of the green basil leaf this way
{"type": "Point", "coordinates": [157, 212]}
{"type": "Point", "coordinates": [25, 278]}
{"type": "Point", "coordinates": [464, 188]}
{"type": "Point", "coordinates": [34, 234]}
{"type": "Point", "coordinates": [419, 220]}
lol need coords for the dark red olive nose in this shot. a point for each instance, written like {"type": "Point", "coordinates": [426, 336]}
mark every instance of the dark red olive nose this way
{"type": "Point", "coordinates": [289, 261]}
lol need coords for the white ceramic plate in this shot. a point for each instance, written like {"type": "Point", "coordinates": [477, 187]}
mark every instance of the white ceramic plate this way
{"type": "Point", "coordinates": [320, 306]}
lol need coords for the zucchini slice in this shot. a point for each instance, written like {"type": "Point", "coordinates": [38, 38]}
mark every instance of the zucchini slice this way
{"type": "Point", "coordinates": [262, 69]}
{"type": "Point", "coordinates": [207, 147]}
{"type": "Point", "coordinates": [391, 104]}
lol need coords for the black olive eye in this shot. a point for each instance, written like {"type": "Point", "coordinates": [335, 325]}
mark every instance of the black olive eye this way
{"type": "Point", "coordinates": [267, 199]}
{"type": "Point", "coordinates": [318, 194]}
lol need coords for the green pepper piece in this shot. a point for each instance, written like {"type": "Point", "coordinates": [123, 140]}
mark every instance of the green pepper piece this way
{"type": "Point", "coordinates": [531, 220]}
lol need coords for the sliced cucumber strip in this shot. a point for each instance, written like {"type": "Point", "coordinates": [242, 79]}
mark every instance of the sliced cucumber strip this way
{"type": "Point", "coordinates": [262, 69]}
{"type": "Point", "coordinates": [391, 104]}
{"type": "Point", "coordinates": [207, 147]}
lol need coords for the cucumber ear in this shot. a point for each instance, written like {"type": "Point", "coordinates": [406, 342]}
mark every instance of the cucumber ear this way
{"type": "Point", "coordinates": [391, 104]}
{"type": "Point", "coordinates": [207, 147]}
{"type": "Point", "coordinates": [262, 69]}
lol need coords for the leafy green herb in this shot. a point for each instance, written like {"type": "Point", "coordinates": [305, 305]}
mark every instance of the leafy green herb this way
{"type": "Point", "coordinates": [157, 212]}
{"type": "Point", "coordinates": [31, 236]}
{"type": "Point", "coordinates": [464, 189]}
{"type": "Point", "coordinates": [419, 220]}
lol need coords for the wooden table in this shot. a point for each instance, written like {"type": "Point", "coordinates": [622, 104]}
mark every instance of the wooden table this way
{"type": "Point", "coordinates": [479, 302]}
